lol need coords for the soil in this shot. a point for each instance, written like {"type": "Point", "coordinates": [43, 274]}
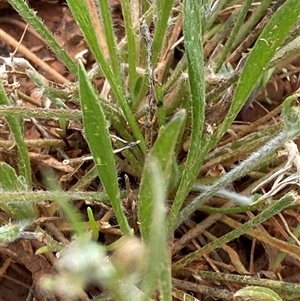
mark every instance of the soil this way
{"type": "Point", "coordinates": [20, 267]}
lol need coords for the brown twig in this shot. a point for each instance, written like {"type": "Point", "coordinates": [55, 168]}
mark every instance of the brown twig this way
{"type": "Point", "coordinates": [32, 57]}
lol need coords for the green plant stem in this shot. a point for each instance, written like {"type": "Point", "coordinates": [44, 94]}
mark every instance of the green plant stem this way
{"type": "Point", "coordinates": [15, 125]}
{"type": "Point", "coordinates": [212, 32]}
{"type": "Point", "coordinates": [221, 34]}
{"type": "Point", "coordinates": [131, 44]}
{"type": "Point", "coordinates": [255, 17]}
{"type": "Point", "coordinates": [110, 39]}
{"type": "Point", "coordinates": [86, 180]}
{"type": "Point", "coordinates": [177, 94]}
{"type": "Point", "coordinates": [31, 18]}
{"type": "Point", "coordinates": [7, 144]}
{"type": "Point", "coordinates": [229, 43]}
{"type": "Point", "coordinates": [142, 93]}
{"type": "Point", "coordinates": [283, 203]}
{"type": "Point", "coordinates": [163, 12]}
{"type": "Point", "coordinates": [212, 15]}
{"type": "Point", "coordinates": [231, 210]}
{"type": "Point", "coordinates": [176, 74]}
{"type": "Point", "coordinates": [37, 196]}
{"type": "Point", "coordinates": [39, 112]}
{"type": "Point", "coordinates": [48, 91]}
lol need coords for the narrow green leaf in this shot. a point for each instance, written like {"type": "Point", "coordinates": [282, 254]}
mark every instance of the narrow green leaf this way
{"type": "Point", "coordinates": [273, 35]}
{"type": "Point", "coordinates": [256, 15]}
{"type": "Point", "coordinates": [12, 197]}
{"type": "Point", "coordinates": [15, 125]}
{"type": "Point", "coordinates": [193, 43]}
{"type": "Point", "coordinates": [97, 136]}
{"type": "Point", "coordinates": [237, 26]}
{"type": "Point", "coordinates": [127, 11]}
{"type": "Point", "coordinates": [163, 10]}
{"type": "Point", "coordinates": [70, 212]}
{"type": "Point", "coordinates": [9, 181]}
{"type": "Point", "coordinates": [93, 224]}
{"type": "Point", "coordinates": [110, 38]}
{"type": "Point", "coordinates": [163, 151]}
{"type": "Point", "coordinates": [158, 265]}
{"type": "Point", "coordinates": [9, 233]}
{"type": "Point", "coordinates": [212, 11]}
{"type": "Point", "coordinates": [82, 17]}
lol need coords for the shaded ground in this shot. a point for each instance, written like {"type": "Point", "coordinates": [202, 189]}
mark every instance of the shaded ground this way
{"type": "Point", "coordinates": [19, 266]}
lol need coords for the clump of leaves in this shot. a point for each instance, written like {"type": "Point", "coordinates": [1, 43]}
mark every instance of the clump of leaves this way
{"type": "Point", "coordinates": [173, 114]}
